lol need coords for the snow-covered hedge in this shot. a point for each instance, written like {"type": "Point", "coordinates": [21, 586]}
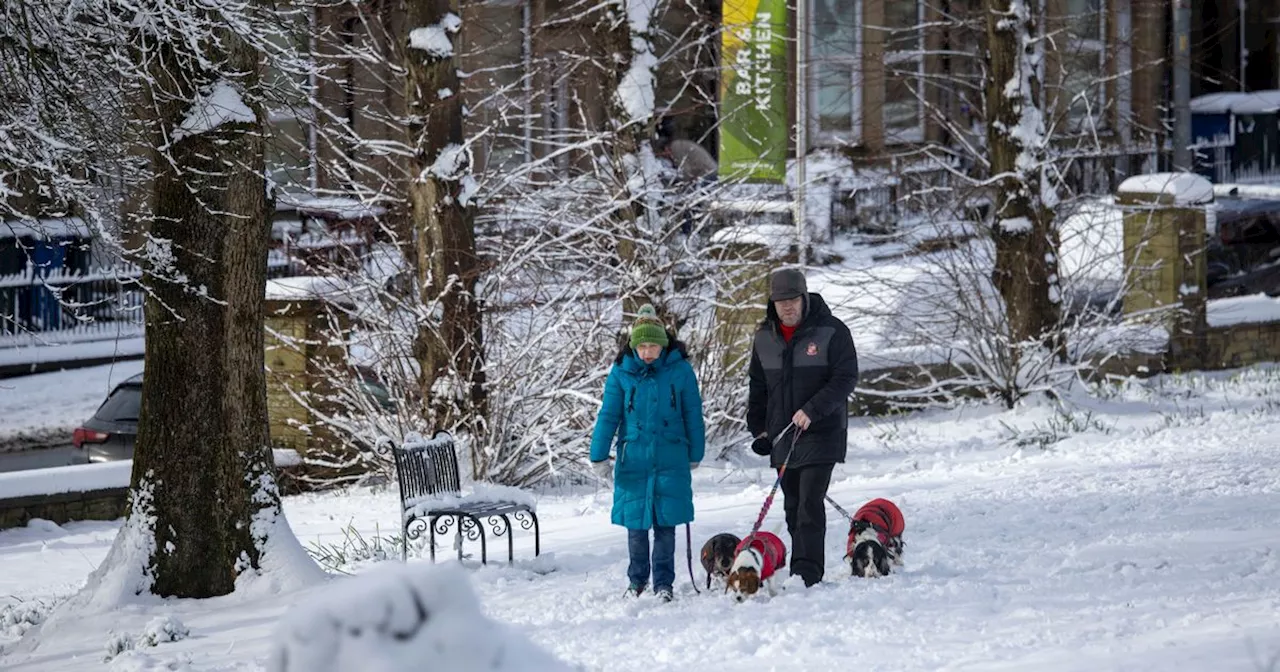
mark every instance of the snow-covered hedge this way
{"type": "Point", "coordinates": [401, 617]}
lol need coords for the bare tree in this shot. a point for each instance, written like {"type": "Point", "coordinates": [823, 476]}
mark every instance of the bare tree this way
{"type": "Point", "coordinates": [449, 345]}
{"type": "Point", "coordinates": [1025, 270]}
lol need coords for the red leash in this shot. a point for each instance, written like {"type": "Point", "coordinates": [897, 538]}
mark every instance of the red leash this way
{"type": "Point", "coordinates": [768, 501]}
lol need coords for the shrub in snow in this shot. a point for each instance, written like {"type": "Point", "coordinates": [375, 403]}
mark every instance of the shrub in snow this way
{"type": "Point", "coordinates": [355, 549]}
{"type": "Point", "coordinates": [163, 629]}
{"type": "Point", "coordinates": [15, 619]}
{"type": "Point", "coordinates": [400, 617]}
{"type": "Point", "coordinates": [118, 644]}
{"type": "Point", "coordinates": [158, 630]}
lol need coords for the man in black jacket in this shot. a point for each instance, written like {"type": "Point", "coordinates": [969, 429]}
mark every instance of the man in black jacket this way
{"type": "Point", "coordinates": [803, 369]}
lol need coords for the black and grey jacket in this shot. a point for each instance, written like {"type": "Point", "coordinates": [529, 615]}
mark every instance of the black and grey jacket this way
{"type": "Point", "coordinates": [816, 373]}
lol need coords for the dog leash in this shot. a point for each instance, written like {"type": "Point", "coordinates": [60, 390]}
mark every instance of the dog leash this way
{"type": "Point", "coordinates": [838, 508]}
{"type": "Point", "coordinates": [689, 556]}
{"type": "Point", "coordinates": [768, 501]}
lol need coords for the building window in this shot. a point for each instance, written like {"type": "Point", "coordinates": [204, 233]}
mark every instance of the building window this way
{"type": "Point", "coordinates": [835, 72]}
{"type": "Point", "coordinates": [557, 110]}
{"type": "Point", "coordinates": [835, 65]}
{"type": "Point", "coordinates": [1083, 64]}
{"type": "Point", "coordinates": [903, 71]}
{"type": "Point", "coordinates": [495, 59]}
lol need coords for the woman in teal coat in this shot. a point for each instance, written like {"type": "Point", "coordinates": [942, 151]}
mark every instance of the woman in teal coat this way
{"type": "Point", "coordinates": [652, 406]}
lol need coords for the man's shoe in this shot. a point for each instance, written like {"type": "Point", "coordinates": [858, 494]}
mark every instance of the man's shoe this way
{"type": "Point", "coordinates": [635, 590]}
{"type": "Point", "coordinates": [664, 595]}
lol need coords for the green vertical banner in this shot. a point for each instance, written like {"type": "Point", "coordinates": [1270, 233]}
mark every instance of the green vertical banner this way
{"type": "Point", "coordinates": [753, 91]}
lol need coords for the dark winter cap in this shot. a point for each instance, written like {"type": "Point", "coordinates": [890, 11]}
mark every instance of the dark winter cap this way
{"type": "Point", "coordinates": [787, 283]}
{"type": "Point", "coordinates": [648, 328]}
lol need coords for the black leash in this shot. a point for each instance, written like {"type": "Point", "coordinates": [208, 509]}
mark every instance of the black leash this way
{"type": "Point", "coordinates": [688, 554]}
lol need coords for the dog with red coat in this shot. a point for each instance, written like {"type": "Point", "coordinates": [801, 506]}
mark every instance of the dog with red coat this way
{"type": "Point", "coordinates": [875, 539]}
{"type": "Point", "coordinates": [756, 560]}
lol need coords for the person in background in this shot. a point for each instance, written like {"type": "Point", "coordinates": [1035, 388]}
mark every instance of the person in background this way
{"type": "Point", "coordinates": [653, 408]}
{"type": "Point", "coordinates": [803, 369]}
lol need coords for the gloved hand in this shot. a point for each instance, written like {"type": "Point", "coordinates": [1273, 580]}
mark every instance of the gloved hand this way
{"type": "Point", "coordinates": [693, 465]}
{"type": "Point", "coordinates": [762, 446]}
{"type": "Point", "coordinates": [603, 469]}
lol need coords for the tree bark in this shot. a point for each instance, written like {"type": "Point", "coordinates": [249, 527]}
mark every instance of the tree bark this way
{"type": "Point", "coordinates": [1025, 270]}
{"type": "Point", "coordinates": [637, 222]}
{"type": "Point", "coordinates": [202, 448]}
{"type": "Point", "coordinates": [448, 345]}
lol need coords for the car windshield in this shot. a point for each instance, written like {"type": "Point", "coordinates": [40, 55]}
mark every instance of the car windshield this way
{"type": "Point", "coordinates": [122, 406]}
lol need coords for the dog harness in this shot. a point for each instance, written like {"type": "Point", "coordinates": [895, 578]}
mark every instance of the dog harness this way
{"type": "Point", "coordinates": [772, 551]}
{"type": "Point", "coordinates": [885, 518]}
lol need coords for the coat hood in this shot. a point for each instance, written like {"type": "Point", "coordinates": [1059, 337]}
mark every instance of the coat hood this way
{"type": "Point", "coordinates": [815, 307]}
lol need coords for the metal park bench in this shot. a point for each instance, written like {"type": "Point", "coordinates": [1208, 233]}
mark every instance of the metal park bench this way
{"type": "Point", "coordinates": [431, 498]}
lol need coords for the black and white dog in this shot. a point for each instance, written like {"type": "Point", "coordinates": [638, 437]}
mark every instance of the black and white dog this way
{"type": "Point", "coordinates": [717, 556]}
{"type": "Point", "coordinates": [875, 539]}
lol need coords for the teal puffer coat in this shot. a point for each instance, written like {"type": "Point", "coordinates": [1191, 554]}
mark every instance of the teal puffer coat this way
{"type": "Point", "coordinates": [655, 411]}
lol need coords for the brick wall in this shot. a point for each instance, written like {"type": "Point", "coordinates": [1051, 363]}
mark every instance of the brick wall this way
{"type": "Point", "coordinates": [1241, 345]}
{"type": "Point", "coordinates": [108, 504]}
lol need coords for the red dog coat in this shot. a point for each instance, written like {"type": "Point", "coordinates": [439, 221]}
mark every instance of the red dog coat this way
{"type": "Point", "coordinates": [771, 548]}
{"type": "Point", "coordinates": [885, 519]}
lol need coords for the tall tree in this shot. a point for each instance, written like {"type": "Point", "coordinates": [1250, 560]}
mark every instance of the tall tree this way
{"type": "Point", "coordinates": [202, 452]}
{"type": "Point", "coordinates": [625, 32]}
{"type": "Point", "coordinates": [1025, 270]}
{"type": "Point", "coordinates": [448, 345]}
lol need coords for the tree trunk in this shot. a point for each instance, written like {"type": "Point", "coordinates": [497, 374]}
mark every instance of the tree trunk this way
{"type": "Point", "coordinates": [448, 345]}
{"type": "Point", "coordinates": [202, 449]}
{"type": "Point", "coordinates": [1025, 270]}
{"type": "Point", "coordinates": [627, 43]}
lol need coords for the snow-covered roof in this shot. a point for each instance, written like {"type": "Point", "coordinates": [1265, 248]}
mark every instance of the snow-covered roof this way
{"type": "Point", "coordinates": [1183, 188]}
{"type": "Point", "coordinates": [306, 287]}
{"type": "Point", "coordinates": [331, 207]}
{"type": "Point", "coordinates": [60, 227]}
{"type": "Point", "coordinates": [753, 205]}
{"type": "Point", "coordinates": [1242, 310]}
{"type": "Point", "coordinates": [1262, 192]}
{"type": "Point", "coordinates": [1249, 102]}
{"type": "Point", "coordinates": [777, 238]}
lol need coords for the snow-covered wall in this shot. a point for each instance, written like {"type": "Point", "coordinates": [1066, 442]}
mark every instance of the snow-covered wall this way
{"type": "Point", "coordinates": [78, 492]}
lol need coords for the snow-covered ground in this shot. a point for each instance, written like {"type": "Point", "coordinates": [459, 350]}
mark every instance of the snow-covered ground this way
{"type": "Point", "coordinates": [58, 400]}
{"type": "Point", "coordinates": [1134, 529]}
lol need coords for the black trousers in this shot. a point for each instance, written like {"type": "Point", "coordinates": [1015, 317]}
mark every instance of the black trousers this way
{"type": "Point", "coordinates": [804, 491]}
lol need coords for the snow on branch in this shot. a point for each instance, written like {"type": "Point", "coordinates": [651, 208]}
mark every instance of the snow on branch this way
{"type": "Point", "coordinates": [221, 104]}
{"type": "Point", "coordinates": [434, 39]}
{"type": "Point", "coordinates": [636, 90]}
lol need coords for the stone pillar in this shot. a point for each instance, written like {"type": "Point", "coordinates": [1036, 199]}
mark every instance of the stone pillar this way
{"type": "Point", "coordinates": [1164, 261]}
{"type": "Point", "coordinates": [748, 253]}
{"type": "Point", "coordinates": [303, 356]}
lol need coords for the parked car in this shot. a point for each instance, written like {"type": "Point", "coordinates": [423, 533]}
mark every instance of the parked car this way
{"type": "Point", "coordinates": [1244, 257]}
{"type": "Point", "coordinates": [112, 431]}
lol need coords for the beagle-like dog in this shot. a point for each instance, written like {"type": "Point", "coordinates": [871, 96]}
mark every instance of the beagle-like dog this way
{"type": "Point", "coordinates": [756, 559]}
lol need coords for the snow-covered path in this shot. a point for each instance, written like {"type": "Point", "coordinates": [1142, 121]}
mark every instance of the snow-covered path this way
{"type": "Point", "coordinates": [1143, 537]}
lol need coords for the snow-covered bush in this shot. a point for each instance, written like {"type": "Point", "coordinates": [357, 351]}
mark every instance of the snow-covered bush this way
{"type": "Point", "coordinates": [161, 629]}
{"type": "Point", "coordinates": [17, 618]}
{"type": "Point", "coordinates": [401, 617]}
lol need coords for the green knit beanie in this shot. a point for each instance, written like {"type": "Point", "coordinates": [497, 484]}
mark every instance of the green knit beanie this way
{"type": "Point", "coordinates": [648, 328]}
